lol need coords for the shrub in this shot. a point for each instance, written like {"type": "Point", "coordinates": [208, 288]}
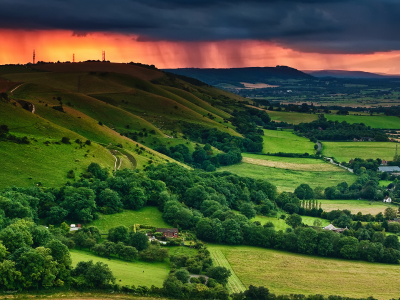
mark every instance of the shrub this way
{"type": "Point", "coordinates": [65, 140]}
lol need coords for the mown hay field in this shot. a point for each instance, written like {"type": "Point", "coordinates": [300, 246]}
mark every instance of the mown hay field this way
{"type": "Point", "coordinates": [285, 141]}
{"type": "Point", "coordinates": [290, 273]}
{"type": "Point", "coordinates": [288, 180]}
{"type": "Point", "coordinates": [293, 160]}
{"type": "Point", "coordinates": [293, 166]}
{"type": "Point", "coordinates": [344, 151]}
{"type": "Point", "coordinates": [280, 224]}
{"type": "Point", "coordinates": [148, 215]}
{"type": "Point", "coordinates": [355, 206]}
{"type": "Point", "coordinates": [291, 117]}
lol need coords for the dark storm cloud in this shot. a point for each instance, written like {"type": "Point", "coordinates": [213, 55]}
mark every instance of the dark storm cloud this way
{"type": "Point", "coordinates": [327, 26]}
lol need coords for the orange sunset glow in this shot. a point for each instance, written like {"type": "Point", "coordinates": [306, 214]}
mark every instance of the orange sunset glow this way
{"type": "Point", "coordinates": [53, 45]}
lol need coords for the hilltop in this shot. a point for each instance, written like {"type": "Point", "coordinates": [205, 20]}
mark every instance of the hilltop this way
{"type": "Point", "coordinates": [349, 74]}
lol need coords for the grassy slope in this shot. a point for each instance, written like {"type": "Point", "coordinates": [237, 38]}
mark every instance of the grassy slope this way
{"type": "Point", "coordinates": [288, 180]}
{"type": "Point", "coordinates": [289, 273]}
{"type": "Point", "coordinates": [285, 141]}
{"type": "Point", "coordinates": [373, 121]}
{"type": "Point", "coordinates": [46, 164]}
{"type": "Point", "coordinates": [148, 215]}
{"type": "Point", "coordinates": [128, 273]}
{"type": "Point", "coordinates": [344, 151]}
{"type": "Point", "coordinates": [356, 206]}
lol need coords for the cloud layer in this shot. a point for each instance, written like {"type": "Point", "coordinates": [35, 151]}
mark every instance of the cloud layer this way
{"type": "Point", "coordinates": [322, 26]}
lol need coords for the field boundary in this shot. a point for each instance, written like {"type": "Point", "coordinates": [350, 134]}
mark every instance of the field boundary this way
{"type": "Point", "coordinates": [234, 284]}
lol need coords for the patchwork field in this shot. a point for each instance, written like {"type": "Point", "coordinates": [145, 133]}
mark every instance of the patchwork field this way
{"type": "Point", "coordinates": [356, 206]}
{"type": "Point", "coordinates": [285, 141]}
{"type": "Point", "coordinates": [262, 160]}
{"type": "Point", "coordinates": [148, 215]}
{"type": "Point", "coordinates": [344, 151]}
{"type": "Point", "coordinates": [385, 122]}
{"type": "Point", "coordinates": [289, 273]}
{"type": "Point", "coordinates": [292, 160]}
{"type": "Point", "coordinates": [288, 180]}
{"type": "Point", "coordinates": [292, 117]}
{"type": "Point", "coordinates": [128, 273]}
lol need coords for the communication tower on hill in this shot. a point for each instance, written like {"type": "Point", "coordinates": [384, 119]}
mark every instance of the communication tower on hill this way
{"type": "Point", "coordinates": [73, 57]}
{"type": "Point", "coordinates": [103, 55]}
{"type": "Point", "coordinates": [34, 56]}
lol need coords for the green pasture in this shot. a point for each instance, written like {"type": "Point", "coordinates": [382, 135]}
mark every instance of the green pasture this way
{"type": "Point", "coordinates": [385, 122]}
{"type": "Point", "coordinates": [148, 215]}
{"type": "Point", "coordinates": [288, 180]}
{"type": "Point", "coordinates": [280, 224]}
{"type": "Point", "coordinates": [285, 141]}
{"type": "Point", "coordinates": [128, 273]}
{"type": "Point", "coordinates": [355, 206]}
{"type": "Point", "coordinates": [290, 273]}
{"type": "Point", "coordinates": [344, 151]}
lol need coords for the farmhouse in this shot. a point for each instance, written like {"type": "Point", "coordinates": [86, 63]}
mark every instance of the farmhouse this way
{"type": "Point", "coordinates": [168, 232]}
{"type": "Point", "coordinates": [390, 169]}
{"type": "Point", "coordinates": [334, 229]}
{"type": "Point", "coordinates": [387, 199]}
{"type": "Point", "coordinates": [384, 162]}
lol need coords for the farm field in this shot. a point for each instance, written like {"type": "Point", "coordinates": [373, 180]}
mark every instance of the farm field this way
{"type": "Point", "coordinates": [288, 180]}
{"type": "Point", "coordinates": [285, 141]}
{"type": "Point", "coordinates": [344, 151]}
{"type": "Point", "coordinates": [280, 224]}
{"type": "Point", "coordinates": [262, 160]}
{"type": "Point", "coordinates": [148, 215]}
{"type": "Point", "coordinates": [292, 117]}
{"type": "Point", "coordinates": [127, 273]}
{"type": "Point", "coordinates": [290, 273]}
{"type": "Point", "coordinates": [356, 206]}
{"type": "Point", "coordinates": [385, 122]}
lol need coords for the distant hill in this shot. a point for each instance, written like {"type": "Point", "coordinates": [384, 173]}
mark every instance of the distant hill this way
{"type": "Point", "coordinates": [349, 74]}
{"type": "Point", "coordinates": [235, 76]}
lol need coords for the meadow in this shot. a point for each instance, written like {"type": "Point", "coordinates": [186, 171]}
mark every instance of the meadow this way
{"type": "Point", "coordinates": [128, 273]}
{"type": "Point", "coordinates": [288, 273]}
{"type": "Point", "coordinates": [355, 206]}
{"type": "Point", "coordinates": [288, 180]}
{"type": "Point", "coordinates": [384, 122]}
{"type": "Point", "coordinates": [148, 215]}
{"type": "Point", "coordinates": [344, 151]}
{"type": "Point", "coordinates": [285, 141]}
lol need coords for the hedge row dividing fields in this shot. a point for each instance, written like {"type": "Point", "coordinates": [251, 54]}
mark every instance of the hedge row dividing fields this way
{"type": "Point", "coordinates": [234, 283]}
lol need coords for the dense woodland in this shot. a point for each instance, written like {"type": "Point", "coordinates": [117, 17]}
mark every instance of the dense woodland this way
{"type": "Point", "coordinates": [325, 130]}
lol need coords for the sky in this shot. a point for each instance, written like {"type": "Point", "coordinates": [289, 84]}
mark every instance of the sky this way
{"type": "Point", "coordinates": [304, 34]}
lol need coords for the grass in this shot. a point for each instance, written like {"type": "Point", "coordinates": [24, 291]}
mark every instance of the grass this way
{"type": "Point", "coordinates": [148, 215]}
{"type": "Point", "coordinates": [128, 273]}
{"type": "Point", "coordinates": [288, 180]}
{"type": "Point", "coordinates": [285, 141]}
{"type": "Point", "coordinates": [298, 166]}
{"type": "Point", "coordinates": [385, 122]}
{"type": "Point", "coordinates": [289, 273]}
{"type": "Point", "coordinates": [356, 206]}
{"type": "Point", "coordinates": [344, 151]}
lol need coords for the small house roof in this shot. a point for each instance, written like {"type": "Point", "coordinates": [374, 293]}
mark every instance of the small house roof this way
{"type": "Point", "coordinates": [330, 227]}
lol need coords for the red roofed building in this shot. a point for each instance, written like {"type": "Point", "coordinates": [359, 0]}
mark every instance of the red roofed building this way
{"type": "Point", "coordinates": [168, 232]}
